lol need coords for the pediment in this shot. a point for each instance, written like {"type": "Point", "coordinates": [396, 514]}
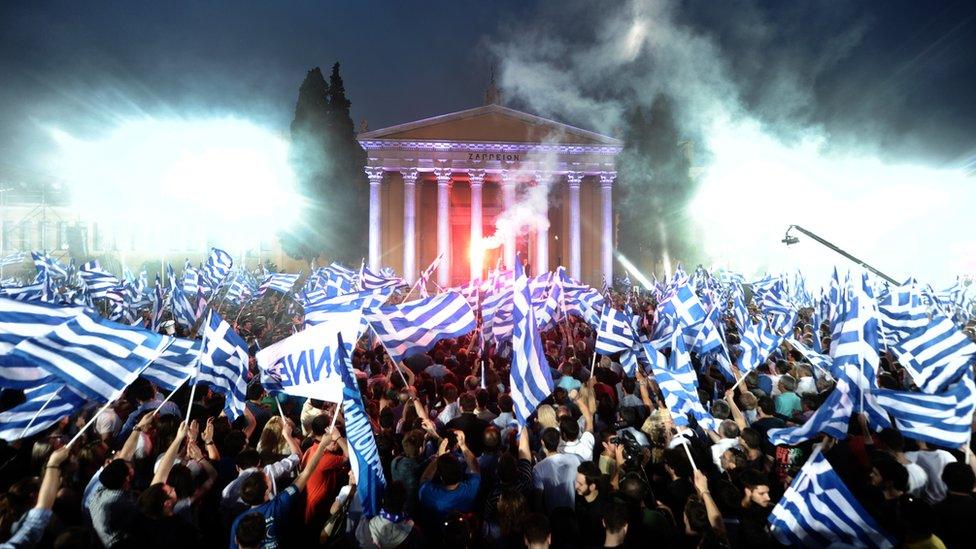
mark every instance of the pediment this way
{"type": "Point", "coordinates": [490, 123]}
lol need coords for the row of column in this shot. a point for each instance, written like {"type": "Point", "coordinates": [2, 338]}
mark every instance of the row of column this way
{"type": "Point", "coordinates": [477, 178]}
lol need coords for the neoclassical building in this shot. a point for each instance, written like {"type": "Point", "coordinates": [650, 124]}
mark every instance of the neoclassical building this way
{"type": "Point", "coordinates": [439, 184]}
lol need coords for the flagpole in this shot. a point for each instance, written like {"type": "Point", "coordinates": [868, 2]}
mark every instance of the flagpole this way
{"type": "Point", "coordinates": [196, 376]}
{"type": "Point", "coordinates": [38, 413]}
{"type": "Point", "coordinates": [335, 416]}
{"type": "Point", "coordinates": [280, 411]}
{"type": "Point", "coordinates": [688, 452]}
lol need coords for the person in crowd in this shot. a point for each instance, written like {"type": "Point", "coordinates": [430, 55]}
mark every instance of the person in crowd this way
{"type": "Point", "coordinates": [554, 477]}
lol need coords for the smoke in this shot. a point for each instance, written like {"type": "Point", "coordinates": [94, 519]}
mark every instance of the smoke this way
{"type": "Point", "coordinates": [766, 155]}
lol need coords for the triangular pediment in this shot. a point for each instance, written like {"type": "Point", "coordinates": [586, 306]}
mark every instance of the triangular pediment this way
{"type": "Point", "coordinates": [490, 123]}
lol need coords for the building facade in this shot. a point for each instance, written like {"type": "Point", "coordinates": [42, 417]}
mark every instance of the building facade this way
{"type": "Point", "coordinates": [480, 185]}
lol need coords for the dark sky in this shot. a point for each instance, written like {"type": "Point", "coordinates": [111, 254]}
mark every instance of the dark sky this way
{"type": "Point", "coordinates": [907, 78]}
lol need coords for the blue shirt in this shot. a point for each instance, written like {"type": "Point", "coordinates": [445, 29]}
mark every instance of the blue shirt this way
{"type": "Point", "coordinates": [274, 511]}
{"type": "Point", "coordinates": [441, 501]}
{"type": "Point", "coordinates": [168, 409]}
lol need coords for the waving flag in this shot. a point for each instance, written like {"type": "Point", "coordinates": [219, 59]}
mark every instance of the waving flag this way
{"type": "Point", "coordinates": [416, 326]}
{"type": "Point", "coordinates": [97, 281]}
{"type": "Point", "coordinates": [279, 282]}
{"type": "Point", "coordinates": [365, 459]}
{"type": "Point", "coordinates": [223, 364]}
{"type": "Point", "coordinates": [191, 281]}
{"type": "Point", "coordinates": [944, 419]}
{"type": "Point", "coordinates": [530, 380]}
{"type": "Point", "coordinates": [48, 265]}
{"type": "Point", "coordinates": [831, 418]}
{"type": "Point", "coordinates": [175, 365]}
{"type": "Point", "coordinates": [616, 333]}
{"type": "Point", "coordinates": [336, 308]}
{"type": "Point", "coordinates": [307, 363]}
{"type": "Point", "coordinates": [45, 406]}
{"type": "Point", "coordinates": [183, 312]}
{"type": "Point", "coordinates": [21, 321]}
{"type": "Point", "coordinates": [15, 258]}
{"type": "Point", "coordinates": [159, 305]}
{"type": "Point", "coordinates": [818, 510]}
{"type": "Point", "coordinates": [216, 269]}
{"type": "Point", "coordinates": [369, 280]}
{"type": "Point", "coordinates": [95, 357]}
{"type": "Point", "coordinates": [679, 385]}
{"type": "Point", "coordinates": [427, 273]}
{"type": "Point", "coordinates": [39, 290]}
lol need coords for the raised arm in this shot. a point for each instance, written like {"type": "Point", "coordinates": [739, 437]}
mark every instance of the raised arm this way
{"type": "Point", "coordinates": [293, 444]}
{"type": "Point", "coordinates": [208, 442]}
{"type": "Point", "coordinates": [714, 515]}
{"type": "Point", "coordinates": [313, 463]}
{"type": "Point", "coordinates": [644, 393]}
{"type": "Point", "coordinates": [129, 448]}
{"type": "Point", "coordinates": [166, 463]}
{"type": "Point", "coordinates": [740, 419]}
{"type": "Point", "coordinates": [469, 456]}
{"type": "Point", "coordinates": [432, 466]}
{"type": "Point", "coordinates": [524, 452]}
{"type": "Point", "coordinates": [52, 478]}
{"type": "Point", "coordinates": [584, 407]}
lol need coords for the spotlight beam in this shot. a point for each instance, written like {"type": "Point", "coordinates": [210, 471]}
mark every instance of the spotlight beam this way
{"type": "Point", "coordinates": [789, 239]}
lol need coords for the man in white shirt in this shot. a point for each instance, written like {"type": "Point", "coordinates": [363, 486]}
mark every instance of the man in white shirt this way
{"type": "Point", "coordinates": [452, 409]}
{"type": "Point", "coordinates": [554, 478]}
{"type": "Point", "coordinates": [726, 437]}
{"type": "Point", "coordinates": [895, 442]}
{"type": "Point", "coordinates": [248, 462]}
{"type": "Point", "coordinates": [933, 461]}
{"type": "Point", "coordinates": [574, 442]}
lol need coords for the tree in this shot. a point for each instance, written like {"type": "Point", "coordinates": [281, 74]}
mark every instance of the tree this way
{"type": "Point", "coordinates": [655, 189]}
{"type": "Point", "coordinates": [329, 166]}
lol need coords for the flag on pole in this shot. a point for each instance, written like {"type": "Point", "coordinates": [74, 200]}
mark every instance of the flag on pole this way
{"type": "Point", "coordinates": [818, 510]}
{"type": "Point", "coordinates": [365, 459]}
{"type": "Point", "coordinates": [97, 281]}
{"type": "Point", "coordinates": [279, 282]}
{"type": "Point", "coordinates": [20, 321]}
{"type": "Point", "coordinates": [306, 364]}
{"type": "Point", "coordinates": [216, 269]}
{"type": "Point", "coordinates": [45, 405]}
{"type": "Point", "coordinates": [416, 326]}
{"type": "Point", "coordinates": [15, 258]}
{"type": "Point", "coordinates": [95, 357]}
{"type": "Point", "coordinates": [159, 305]}
{"type": "Point", "coordinates": [223, 364]}
{"type": "Point", "coordinates": [679, 384]}
{"type": "Point", "coordinates": [175, 365]}
{"type": "Point", "coordinates": [944, 419]}
{"type": "Point", "coordinates": [530, 379]}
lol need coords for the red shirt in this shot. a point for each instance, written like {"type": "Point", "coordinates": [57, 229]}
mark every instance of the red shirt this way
{"type": "Point", "coordinates": [323, 485]}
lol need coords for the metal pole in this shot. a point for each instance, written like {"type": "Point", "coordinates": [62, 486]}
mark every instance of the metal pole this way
{"type": "Point", "coordinates": [791, 240]}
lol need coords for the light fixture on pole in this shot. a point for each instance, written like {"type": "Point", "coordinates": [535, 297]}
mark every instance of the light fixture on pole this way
{"type": "Point", "coordinates": [790, 239]}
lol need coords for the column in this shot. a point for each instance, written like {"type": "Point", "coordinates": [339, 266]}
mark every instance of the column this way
{"type": "Point", "coordinates": [508, 201]}
{"type": "Point", "coordinates": [375, 176]}
{"type": "Point", "coordinates": [574, 179]}
{"type": "Point", "coordinates": [606, 253]}
{"type": "Point", "coordinates": [443, 225]}
{"type": "Point", "coordinates": [409, 224]}
{"type": "Point", "coordinates": [542, 179]}
{"type": "Point", "coordinates": [477, 251]}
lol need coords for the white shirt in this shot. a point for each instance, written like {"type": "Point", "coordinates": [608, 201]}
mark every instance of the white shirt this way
{"type": "Point", "coordinates": [933, 461]}
{"type": "Point", "coordinates": [720, 447]}
{"type": "Point", "coordinates": [232, 492]}
{"type": "Point", "coordinates": [108, 423]}
{"type": "Point", "coordinates": [582, 446]}
{"type": "Point", "coordinates": [449, 412]}
{"type": "Point", "coordinates": [556, 477]}
{"type": "Point", "coordinates": [917, 479]}
{"type": "Point", "coordinates": [806, 386]}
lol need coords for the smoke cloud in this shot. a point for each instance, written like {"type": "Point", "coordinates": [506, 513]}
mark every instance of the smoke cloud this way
{"type": "Point", "coordinates": [771, 146]}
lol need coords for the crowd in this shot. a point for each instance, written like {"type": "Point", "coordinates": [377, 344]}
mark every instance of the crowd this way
{"type": "Point", "coordinates": [601, 463]}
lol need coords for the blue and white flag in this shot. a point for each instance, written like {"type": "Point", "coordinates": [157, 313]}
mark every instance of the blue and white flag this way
{"type": "Point", "coordinates": [223, 364]}
{"type": "Point", "coordinates": [158, 305]}
{"type": "Point", "coordinates": [416, 326]}
{"type": "Point", "coordinates": [336, 308]}
{"type": "Point", "coordinates": [242, 288]}
{"type": "Point", "coordinates": [307, 364]}
{"type": "Point", "coordinates": [548, 311]}
{"type": "Point", "coordinates": [216, 269]}
{"type": "Point", "coordinates": [818, 510]}
{"type": "Point", "coordinates": [45, 406]}
{"type": "Point", "coordinates": [39, 290]}
{"type": "Point", "coordinates": [191, 281]}
{"type": "Point", "coordinates": [279, 282]}
{"type": "Point", "coordinates": [530, 379]}
{"type": "Point", "coordinates": [831, 418]}
{"type": "Point", "coordinates": [21, 321]}
{"type": "Point", "coordinates": [95, 357]}
{"type": "Point", "coordinates": [97, 281]}
{"type": "Point", "coordinates": [15, 258]}
{"type": "Point", "coordinates": [183, 312]}
{"type": "Point", "coordinates": [175, 365]}
{"type": "Point", "coordinates": [616, 333]}
{"type": "Point", "coordinates": [944, 419]}
{"type": "Point", "coordinates": [758, 341]}
{"type": "Point", "coordinates": [49, 266]}
{"type": "Point", "coordinates": [365, 459]}
{"type": "Point", "coordinates": [679, 385]}
{"type": "Point", "coordinates": [369, 280]}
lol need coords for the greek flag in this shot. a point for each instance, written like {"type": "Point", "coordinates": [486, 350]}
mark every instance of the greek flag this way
{"type": "Point", "coordinates": [365, 459]}
{"type": "Point", "coordinates": [710, 338]}
{"type": "Point", "coordinates": [223, 364]}
{"type": "Point", "coordinates": [45, 406]}
{"type": "Point", "coordinates": [159, 305]}
{"type": "Point", "coordinates": [191, 280]}
{"type": "Point", "coordinates": [831, 418]}
{"type": "Point", "coordinates": [242, 288]}
{"type": "Point", "coordinates": [530, 380]}
{"type": "Point", "coordinates": [215, 271]}
{"type": "Point", "coordinates": [21, 321]}
{"type": "Point", "coordinates": [497, 302]}
{"type": "Point", "coordinates": [932, 349]}
{"type": "Point", "coordinates": [336, 308]}
{"type": "Point", "coordinates": [679, 384]}
{"type": "Point", "coordinates": [175, 364]}
{"type": "Point", "coordinates": [584, 302]}
{"type": "Point", "coordinates": [97, 281]}
{"type": "Point", "coordinates": [739, 311]}
{"type": "Point", "coordinates": [819, 361]}
{"type": "Point", "coordinates": [39, 290]}
{"type": "Point", "coordinates": [369, 280]}
{"type": "Point", "coordinates": [48, 265]}
{"type": "Point", "coordinates": [415, 327]}
{"type": "Point", "coordinates": [547, 311]}
{"type": "Point", "coordinates": [854, 347]}
{"type": "Point", "coordinates": [183, 312]}
{"type": "Point", "coordinates": [15, 258]}
{"type": "Point", "coordinates": [944, 419]}
{"type": "Point", "coordinates": [758, 341]}
{"type": "Point", "coordinates": [471, 292]}
{"type": "Point", "coordinates": [279, 282]}
{"type": "Point", "coordinates": [776, 306]}
{"type": "Point", "coordinates": [95, 357]}
{"type": "Point", "coordinates": [818, 510]}
{"type": "Point", "coordinates": [684, 312]}
{"type": "Point", "coordinates": [615, 334]}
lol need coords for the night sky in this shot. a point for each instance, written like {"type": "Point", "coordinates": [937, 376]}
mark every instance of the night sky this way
{"type": "Point", "coordinates": [900, 74]}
